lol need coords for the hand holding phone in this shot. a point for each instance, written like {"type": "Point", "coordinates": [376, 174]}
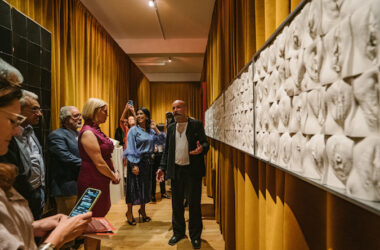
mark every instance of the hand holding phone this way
{"type": "Point", "coordinates": [130, 102]}
{"type": "Point", "coordinates": [86, 202]}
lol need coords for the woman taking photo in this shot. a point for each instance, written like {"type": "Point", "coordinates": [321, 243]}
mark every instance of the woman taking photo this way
{"type": "Point", "coordinates": [140, 147]}
{"type": "Point", "coordinates": [95, 149]}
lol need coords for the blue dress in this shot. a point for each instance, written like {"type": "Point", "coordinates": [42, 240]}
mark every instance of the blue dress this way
{"type": "Point", "coordinates": [140, 148]}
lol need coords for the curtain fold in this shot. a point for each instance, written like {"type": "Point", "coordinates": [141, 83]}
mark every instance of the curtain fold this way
{"type": "Point", "coordinates": [86, 62]}
{"type": "Point", "coordinates": [164, 94]}
{"type": "Point", "coordinates": [259, 206]}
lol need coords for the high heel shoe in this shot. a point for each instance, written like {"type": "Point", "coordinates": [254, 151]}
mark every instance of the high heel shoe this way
{"type": "Point", "coordinates": [133, 222]}
{"type": "Point", "coordinates": [144, 219]}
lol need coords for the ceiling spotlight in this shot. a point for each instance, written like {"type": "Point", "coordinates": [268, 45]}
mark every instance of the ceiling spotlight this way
{"type": "Point", "coordinates": [151, 3]}
{"type": "Point", "coordinates": [170, 60]}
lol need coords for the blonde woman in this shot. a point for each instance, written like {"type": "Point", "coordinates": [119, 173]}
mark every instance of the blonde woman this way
{"type": "Point", "coordinates": [95, 149]}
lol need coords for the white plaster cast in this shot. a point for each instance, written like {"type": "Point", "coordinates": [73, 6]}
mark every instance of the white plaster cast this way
{"type": "Point", "coordinates": [266, 146]}
{"type": "Point", "coordinates": [298, 113]}
{"type": "Point", "coordinates": [339, 101]}
{"type": "Point", "coordinates": [298, 147]}
{"type": "Point", "coordinates": [365, 117]}
{"type": "Point", "coordinates": [364, 180]}
{"type": "Point", "coordinates": [274, 85]}
{"type": "Point", "coordinates": [337, 45]}
{"type": "Point", "coordinates": [316, 112]}
{"type": "Point", "coordinates": [339, 150]}
{"type": "Point", "coordinates": [272, 53]}
{"type": "Point", "coordinates": [313, 18]}
{"type": "Point", "coordinates": [285, 110]}
{"type": "Point", "coordinates": [274, 140]}
{"type": "Point", "coordinates": [365, 23]}
{"type": "Point", "coordinates": [314, 158]}
{"type": "Point", "coordinates": [312, 57]}
{"type": "Point", "coordinates": [274, 117]}
{"type": "Point", "coordinates": [285, 149]}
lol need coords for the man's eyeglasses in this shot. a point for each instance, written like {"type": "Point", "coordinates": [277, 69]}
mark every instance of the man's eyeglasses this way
{"type": "Point", "coordinates": [15, 122]}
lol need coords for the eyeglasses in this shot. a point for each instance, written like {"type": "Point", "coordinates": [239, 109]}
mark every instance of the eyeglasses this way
{"type": "Point", "coordinates": [15, 122]}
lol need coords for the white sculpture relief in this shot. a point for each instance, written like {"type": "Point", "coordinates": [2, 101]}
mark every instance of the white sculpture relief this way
{"type": "Point", "coordinates": [339, 151]}
{"type": "Point", "coordinates": [285, 150]}
{"type": "Point", "coordinates": [274, 140]}
{"type": "Point", "coordinates": [339, 100]}
{"type": "Point", "coordinates": [285, 110]}
{"type": "Point", "coordinates": [274, 117]}
{"type": "Point", "coordinates": [313, 19]}
{"type": "Point", "coordinates": [314, 159]}
{"type": "Point", "coordinates": [298, 147]}
{"type": "Point", "coordinates": [364, 180]}
{"type": "Point", "coordinates": [272, 53]}
{"type": "Point", "coordinates": [365, 117]}
{"type": "Point", "coordinates": [298, 115]}
{"type": "Point", "coordinates": [266, 151]}
{"type": "Point", "coordinates": [312, 58]}
{"type": "Point", "coordinates": [365, 23]}
{"type": "Point", "coordinates": [337, 45]}
{"type": "Point", "coordinates": [316, 112]}
{"type": "Point", "coordinates": [273, 83]}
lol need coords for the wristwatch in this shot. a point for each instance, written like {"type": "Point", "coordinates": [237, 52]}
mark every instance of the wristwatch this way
{"type": "Point", "coordinates": [47, 246]}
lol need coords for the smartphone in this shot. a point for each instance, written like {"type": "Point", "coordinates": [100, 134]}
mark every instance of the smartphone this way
{"type": "Point", "coordinates": [130, 102]}
{"type": "Point", "coordinates": [86, 202]}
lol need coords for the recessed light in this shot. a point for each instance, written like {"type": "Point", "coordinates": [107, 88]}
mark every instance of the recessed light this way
{"type": "Point", "coordinates": [170, 60]}
{"type": "Point", "coordinates": [151, 3]}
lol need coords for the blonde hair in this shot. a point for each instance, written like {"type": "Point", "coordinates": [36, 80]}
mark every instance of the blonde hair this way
{"type": "Point", "coordinates": [90, 108]}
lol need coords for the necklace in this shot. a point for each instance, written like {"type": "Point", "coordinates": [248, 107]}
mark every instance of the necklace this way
{"type": "Point", "coordinates": [181, 127]}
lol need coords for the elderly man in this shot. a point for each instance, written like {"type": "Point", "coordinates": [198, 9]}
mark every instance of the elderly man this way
{"type": "Point", "coordinates": [65, 160]}
{"type": "Point", "coordinates": [183, 159]}
{"type": "Point", "coordinates": [26, 153]}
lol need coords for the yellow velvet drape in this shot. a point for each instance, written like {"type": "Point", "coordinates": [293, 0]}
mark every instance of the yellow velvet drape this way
{"type": "Point", "coordinates": [259, 206]}
{"type": "Point", "coordinates": [86, 61]}
{"type": "Point", "coordinates": [163, 94]}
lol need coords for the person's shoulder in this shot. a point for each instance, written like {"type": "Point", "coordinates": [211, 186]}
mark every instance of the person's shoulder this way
{"type": "Point", "coordinates": [195, 121]}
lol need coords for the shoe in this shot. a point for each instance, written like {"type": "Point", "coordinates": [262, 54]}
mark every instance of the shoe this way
{"type": "Point", "coordinates": [144, 219]}
{"type": "Point", "coordinates": [132, 222]}
{"type": "Point", "coordinates": [196, 243]}
{"type": "Point", "coordinates": [165, 196]}
{"type": "Point", "coordinates": [153, 199]}
{"type": "Point", "coordinates": [185, 203]}
{"type": "Point", "coordinates": [174, 239]}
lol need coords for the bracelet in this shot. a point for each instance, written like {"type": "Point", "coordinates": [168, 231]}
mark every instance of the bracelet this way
{"type": "Point", "coordinates": [47, 246]}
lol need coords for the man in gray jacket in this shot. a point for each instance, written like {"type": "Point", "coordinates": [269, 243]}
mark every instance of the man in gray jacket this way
{"type": "Point", "coordinates": [65, 160]}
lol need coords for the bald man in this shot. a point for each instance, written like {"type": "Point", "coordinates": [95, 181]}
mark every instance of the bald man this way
{"type": "Point", "coordinates": [183, 159]}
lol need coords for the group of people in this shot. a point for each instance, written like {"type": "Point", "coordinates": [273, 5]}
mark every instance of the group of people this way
{"type": "Point", "coordinates": [79, 160]}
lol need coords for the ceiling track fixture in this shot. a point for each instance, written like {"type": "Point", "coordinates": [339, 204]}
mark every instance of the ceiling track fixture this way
{"type": "Point", "coordinates": [153, 4]}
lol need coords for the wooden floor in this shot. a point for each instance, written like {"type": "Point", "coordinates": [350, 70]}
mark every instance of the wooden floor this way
{"type": "Point", "coordinates": [155, 234]}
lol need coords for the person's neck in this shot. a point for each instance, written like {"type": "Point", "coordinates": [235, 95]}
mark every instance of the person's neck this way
{"type": "Point", "coordinates": [142, 125]}
{"type": "Point", "coordinates": [182, 120]}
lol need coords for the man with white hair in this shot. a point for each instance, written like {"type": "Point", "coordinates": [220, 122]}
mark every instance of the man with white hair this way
{"type": "Point", "coordinates": [31, 165]}
{"type": "Point", "coordinates": [65, 160]}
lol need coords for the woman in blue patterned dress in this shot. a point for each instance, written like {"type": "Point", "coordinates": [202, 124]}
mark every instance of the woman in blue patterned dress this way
{"type": "Point", "coordinates": [140, 147]}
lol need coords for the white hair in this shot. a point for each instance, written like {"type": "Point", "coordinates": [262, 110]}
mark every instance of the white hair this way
{"type": "Point", "coordinates": [27, 95]}
{"type": "Point", "coordinates": [64, 113]}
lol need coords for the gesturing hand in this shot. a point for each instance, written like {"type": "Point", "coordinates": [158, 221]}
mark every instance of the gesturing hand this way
{"type": "Point", "coordinates": [160, 175]}
{"type": "Point", "coordinates": [198, 150]}
{"type": "Point", "coordinates": [135, 170]}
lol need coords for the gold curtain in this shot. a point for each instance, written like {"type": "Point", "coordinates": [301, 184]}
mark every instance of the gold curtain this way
{"type": "Point", "coordinates": [163, 94]}
{"type": "Point", "coordinates": [86, 61]}
{"type": "Point", "coordinates": [259, 206]}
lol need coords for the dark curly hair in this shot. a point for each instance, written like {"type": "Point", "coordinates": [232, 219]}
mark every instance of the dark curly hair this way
{"type": "Point", "coordinates": [148, 119]}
